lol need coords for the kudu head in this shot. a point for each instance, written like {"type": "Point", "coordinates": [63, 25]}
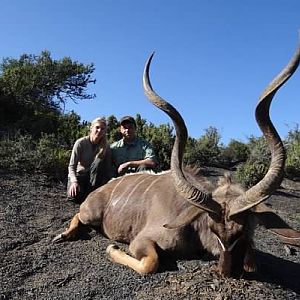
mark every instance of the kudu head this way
{"type": "Point", "coordinates": [229, 207]}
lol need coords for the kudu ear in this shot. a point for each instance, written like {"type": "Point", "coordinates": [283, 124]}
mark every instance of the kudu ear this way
{"type": "Point", "coordinates": [270, 220]}
{"type": "Point", "coordinates": [186, 217]}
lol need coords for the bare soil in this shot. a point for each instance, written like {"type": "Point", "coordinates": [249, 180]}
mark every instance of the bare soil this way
{"type": "Point", "coordinates": [33, 210]}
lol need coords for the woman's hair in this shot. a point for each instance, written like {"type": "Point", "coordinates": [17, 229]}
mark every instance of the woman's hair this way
{"type": "Point", "coordinates": [102, 147]}
{"type": "Point", "coordinates": [98, 120]}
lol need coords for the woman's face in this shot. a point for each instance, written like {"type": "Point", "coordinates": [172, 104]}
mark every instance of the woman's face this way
{"type": "Point", "coordinates": [98, 130]}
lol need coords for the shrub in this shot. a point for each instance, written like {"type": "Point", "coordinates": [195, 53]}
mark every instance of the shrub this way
{"type": "Point", "coordinates": [249, 174]}
{"type": "Point", "coordinates": [255, 168]}
{"type": "Point", "coordinates": [23, 154]}
{"type": "Point", "coordinates": [236, 152]}
{"type": "Point", "coordinates": [292, 165]}
{"type": "Point", "coordinates": [204, 151]}
{"type": "Point", "coordinates": [292, 145]}
{"type": "Point", "coordinates": [17, 153]}
{"type": "Point", "coordinates": [51, 158]}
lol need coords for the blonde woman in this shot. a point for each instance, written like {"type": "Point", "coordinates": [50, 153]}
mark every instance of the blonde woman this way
{"type": "Point", "coordinates": [89, 165]}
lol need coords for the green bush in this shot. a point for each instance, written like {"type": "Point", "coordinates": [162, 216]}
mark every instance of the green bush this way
{"type": "Point", "coordinates": [51, 158]}
{"type": "Point", "coordinates": [292, 145]}
{"type": "Point", "coordinates": [236, 152]}
{"type": "Point", "coordinates": [249, 174]}
{"type": "Point", "coordinates": [257, 165]}
{"type": "Point", "coordinates": [23, 154]}
{"type": "Point", "coordinates": [204, 151]}
{"type": "Point", "coordinates": [292, 165]}
{"type": "Point", "coordinates": [17, 153]}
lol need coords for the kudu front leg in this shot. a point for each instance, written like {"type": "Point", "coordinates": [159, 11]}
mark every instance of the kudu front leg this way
{"type": "Point", "coordinates": [249, 260]}
{"type": "Point", "coordinates": [69, 232]}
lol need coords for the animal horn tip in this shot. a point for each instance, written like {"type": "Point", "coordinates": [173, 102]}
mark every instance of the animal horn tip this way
{"type": "Point", "coordinates": [151, 56]}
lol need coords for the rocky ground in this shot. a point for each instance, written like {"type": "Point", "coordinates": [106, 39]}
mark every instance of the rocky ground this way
{"type": "Point", "coordinates": [33, 210]}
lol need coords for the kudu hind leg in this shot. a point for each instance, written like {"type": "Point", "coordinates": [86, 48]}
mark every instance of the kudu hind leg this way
{"type": "Point", "coordinates": [69, 232]}
{"type": "Point", "coordinates": [145, 258]}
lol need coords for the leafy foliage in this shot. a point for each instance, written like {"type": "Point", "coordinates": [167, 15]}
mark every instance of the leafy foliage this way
{"type": "Point", "coordinates": [292, 145]}
{"type": "Point", "coordinates": [70, 128]}
{"type": "Point", "coordinates": [35, 88]}
{"type": "Point", "coordinates": [22, 153]}
{"type": "Point", "coordinates": [204, 151]}
{"type": "Point", "coordinates": [162, 139]}
{"type": "Point", "coordinates": [113, 129]}
{"type": "Point", "coordinates": [36, 136]}
{"type": "Point", "coordinates": [235, 153]}
{"type": "Point", "coordinates": [257, 165]}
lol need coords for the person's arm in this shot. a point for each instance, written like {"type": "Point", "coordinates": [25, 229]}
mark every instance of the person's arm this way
{"type": "Point", "coordinates": [109, 168]}
{"type": "Point", "coordinates": [149, 160]}
{"type": "Point", "coordinates": [74, 159]}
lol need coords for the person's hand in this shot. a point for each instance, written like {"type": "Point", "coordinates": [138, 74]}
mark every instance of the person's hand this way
{"type": "Point", "coordinates": [123, 167]}
{"type": "Point", "coordinates": [73, 189]}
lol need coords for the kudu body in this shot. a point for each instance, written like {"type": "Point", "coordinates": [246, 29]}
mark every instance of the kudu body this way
{"type": "Point", "coordinates": [180, 213]}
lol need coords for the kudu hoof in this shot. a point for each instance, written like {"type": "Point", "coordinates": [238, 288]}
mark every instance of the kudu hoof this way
{"type": "Point", "coordinates": [111, 248]}
{"type": "Point", "coordinates": [58, 238]}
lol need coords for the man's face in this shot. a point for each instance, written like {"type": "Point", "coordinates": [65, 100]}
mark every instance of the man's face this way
{"type": "Point", "coordinates": [128, 131]}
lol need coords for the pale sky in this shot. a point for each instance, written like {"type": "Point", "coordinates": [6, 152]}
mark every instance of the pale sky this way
{"type": "Point", "coordinates": [212, 59]}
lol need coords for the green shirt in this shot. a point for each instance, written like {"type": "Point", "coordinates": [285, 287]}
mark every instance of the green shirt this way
{"type": "Point", "coordinates": [137, 150]}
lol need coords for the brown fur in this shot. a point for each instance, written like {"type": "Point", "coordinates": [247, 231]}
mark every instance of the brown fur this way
{"type": "Point", "coordinates": [134, 209]}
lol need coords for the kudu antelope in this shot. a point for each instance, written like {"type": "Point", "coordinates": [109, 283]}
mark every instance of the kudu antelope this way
{"type": "Point", "coordinates": [177, 212]}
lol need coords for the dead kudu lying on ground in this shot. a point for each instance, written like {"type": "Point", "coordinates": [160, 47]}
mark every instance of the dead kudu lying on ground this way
{"type": "Point", "coordinates": [179, 213]}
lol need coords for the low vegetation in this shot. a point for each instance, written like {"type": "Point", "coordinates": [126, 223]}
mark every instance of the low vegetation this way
{"type": "Point", "coordinates": [36, 136]}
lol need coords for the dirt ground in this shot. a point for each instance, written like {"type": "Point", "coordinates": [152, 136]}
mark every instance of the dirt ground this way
{"type": "Point", "coordinates": [33, 210]}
